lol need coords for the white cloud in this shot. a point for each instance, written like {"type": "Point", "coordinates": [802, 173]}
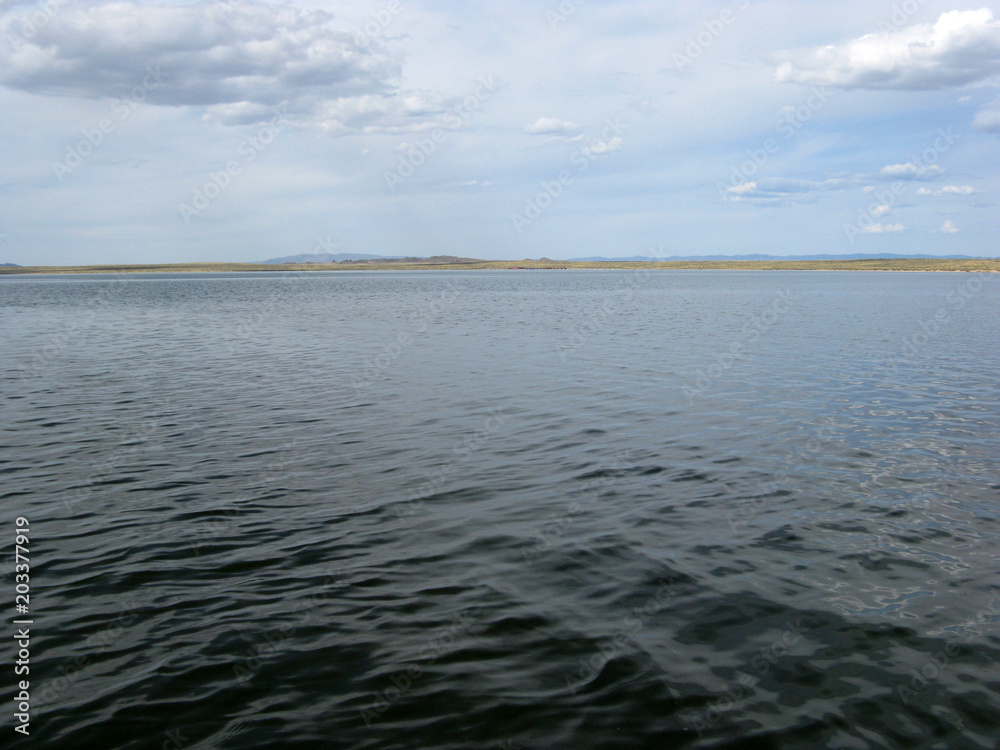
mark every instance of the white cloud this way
{"type": "Point", "coordinates": [987, 120]}
{"type": "Point", "coordinates": [949, 227]}
{"type": "Point", "coordinates": [911, 171]}
{"type": "Point", "coordinates": [409, 112]}
{"type": "Point", "coordinates": [962, 47]}
{"type": "Point", "coordinates": [740, 192]}
{"type": "Point", "coordinates": [239, 60]}
{"type": "Point", "coordinates": [605, 147]}
{"type": "Point", "coordinates": [777, 191]}
{"type": "Point", "coordinates": [790, 185]}
{"type": "Point", "coordinates": [552, 126]}
{"type": "Point", "coordinates": [880, 210]}
{"type": "Point", "coordinates": [948, 190]}
{"type": "Point", "coordinates": [878, 228]}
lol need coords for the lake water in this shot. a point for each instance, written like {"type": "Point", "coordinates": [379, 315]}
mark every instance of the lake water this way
{"type": "Point", "coordinates": [506, 509]}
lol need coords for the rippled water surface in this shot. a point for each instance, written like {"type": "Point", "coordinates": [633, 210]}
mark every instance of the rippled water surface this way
{"type": "Point", "coordinates": [506, 509]}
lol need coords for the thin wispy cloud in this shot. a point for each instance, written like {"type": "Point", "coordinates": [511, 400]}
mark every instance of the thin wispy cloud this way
{"type": "Point", "coordinates": [552, 126]}
{"type": "Point", "coordinates": [988, 120]}
{"type": "Point", "coordinates": [911, 171]}
{"type": "Point", "coordinates": [948, 190]}
{"type": "Point", "coordinates": [774, 191]}
{"type": "Point", "coordinates": [879, 228]}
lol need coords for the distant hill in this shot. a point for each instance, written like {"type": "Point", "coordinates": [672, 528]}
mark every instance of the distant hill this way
{"type": "Point", "coordinates": [364, 258]}
{"type": "Point", "coordinates": [328, 258]}
{"type": "Point", "coordinates": [854, 256]}
{"type": "Point", "coordinates": [9, 265]}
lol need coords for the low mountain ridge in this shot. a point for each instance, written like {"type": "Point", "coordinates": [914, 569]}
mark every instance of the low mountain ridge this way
{"type": "Point", "coordinates": [755, 256]}
{"type": "Point", "coordinates": [366, 258]}
{"type": "Point", "coordinates": [329, 258]}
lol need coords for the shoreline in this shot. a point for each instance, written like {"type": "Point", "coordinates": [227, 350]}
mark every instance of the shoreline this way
{"type": "Point", "coordinates": [894, 264]}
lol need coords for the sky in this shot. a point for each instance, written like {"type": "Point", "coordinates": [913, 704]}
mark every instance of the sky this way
{"type": "Point", "coordinates": [160, 132]}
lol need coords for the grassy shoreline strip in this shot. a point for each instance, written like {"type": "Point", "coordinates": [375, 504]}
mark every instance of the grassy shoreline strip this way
{"type": "Point", "coordinates": [894, 264]}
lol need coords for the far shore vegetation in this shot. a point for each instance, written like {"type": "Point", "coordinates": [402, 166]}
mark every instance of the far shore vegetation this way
{"type": "Point", "coordinates": [466, 264]}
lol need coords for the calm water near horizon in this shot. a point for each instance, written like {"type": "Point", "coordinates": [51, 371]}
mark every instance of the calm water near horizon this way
{"type": "Point", "coordinates": [546, 509]}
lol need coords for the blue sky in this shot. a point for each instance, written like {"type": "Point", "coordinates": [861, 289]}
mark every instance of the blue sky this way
{"type": "Point", "coordinates": [239, 131]}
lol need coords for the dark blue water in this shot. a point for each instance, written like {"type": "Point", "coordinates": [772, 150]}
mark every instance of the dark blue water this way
{"type": "Point", "coordinates": [506, 509]}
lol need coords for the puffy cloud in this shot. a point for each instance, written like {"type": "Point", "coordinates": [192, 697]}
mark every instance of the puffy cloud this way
{"type": "Point", "coordinates": [880, 210]}
{"type": "Point", "coordinates": [878, 228]}
{"type": "Point", "coordinates": [239, 60]}
{"type": "Point", "coordinates": [948, 190]}
{"type": "Point", "coordinates": [552, 126]}
{"type": "Point", "coordinates": [949, 227]}
{"type": "Point", "coordinates": [987, 120]}
{"type": "Point", "coordinates": [911, 171]}
{"type": "Point", "coordinates": [739, 192]}
{"type": "Point", "coordinates": [407, 112]}
{"type": "Point", "coordinates": [604, 147]}
{"type": "Point", "coordinates": [962, 47]}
